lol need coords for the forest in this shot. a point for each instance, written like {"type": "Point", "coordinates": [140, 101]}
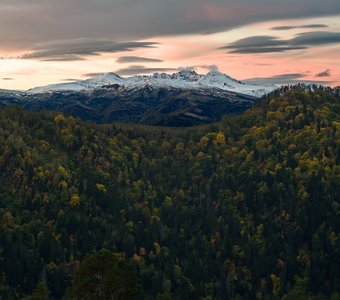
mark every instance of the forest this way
{"type": "Point", "coordinates": [246, 208]}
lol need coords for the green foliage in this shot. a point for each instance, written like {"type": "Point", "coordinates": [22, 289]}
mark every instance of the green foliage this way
{"type": "Point", "coordinates": [244, 209]}
{"type": "Point", "coordinates": [104, 275]}
{"type": "Point", "coordinates": [40, 293]}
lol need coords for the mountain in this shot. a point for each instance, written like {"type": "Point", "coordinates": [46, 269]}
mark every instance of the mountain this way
{"type": "Point", "coordinates": [180, 99]}
{"type": "Point", "coordinates": [185, 79]}
{"type": "Point", "coordinates": [145, 105]}
{"type": "Point", "coordinates": [81, 85]}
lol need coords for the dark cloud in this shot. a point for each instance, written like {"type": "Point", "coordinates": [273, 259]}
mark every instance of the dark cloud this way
{"type": "Point", "coordinates": [289, 76]}
{"type": "Point", "coordinates": [292, 78]}
{"type": "Point", "coordinates": [24, 23]}
{"type": "Point", "coordinates": [272, 44]}
{"type": "Point", "coordinates": [133, 70]}
{"type": "Point", "coordinates": [299, 26]}
{"type": "Point", "coordinates": [136, 59]}
{"type": "Point", "coordinates": [56, 58]}
{"type": "Point", "coordinates": [256, 42]}
{"type": "Point", "coordinates": [325, 73]}
{"type": "Point", "coordinates": [79, 49]}
{"type": "Point", "coordinates": [260, 44]}
{"type": "Point", "coordinates": [70, 79]}
{"type": "Point", "coordinates": [315, 38]}
{"type": "Point", "coordinates": [265, 49]}
{"type": "Point", "coordinates": [7, 78]}
{"type": "Point", "coordinates": [93, 74]}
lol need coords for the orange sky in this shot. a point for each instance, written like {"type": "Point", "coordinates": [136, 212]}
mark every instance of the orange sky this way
{"type": "Point", "coordinates": [191, 51]}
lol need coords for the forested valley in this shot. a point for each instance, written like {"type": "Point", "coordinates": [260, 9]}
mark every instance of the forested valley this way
{"type": "Point", "coordinates": [246, 208]}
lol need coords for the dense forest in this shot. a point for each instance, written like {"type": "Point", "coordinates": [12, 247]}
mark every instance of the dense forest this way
{"type": "Point", "coordinates": [247, 208]}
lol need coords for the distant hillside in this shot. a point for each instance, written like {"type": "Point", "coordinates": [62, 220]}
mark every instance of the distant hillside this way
{"type": "Point", "coordinates": [180, 99]}
{"type": "Point", "coordinates": [151, 106]}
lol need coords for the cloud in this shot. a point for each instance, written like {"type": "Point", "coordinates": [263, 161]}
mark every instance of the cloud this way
{"type": "Point", "coordinates": [325, 73]}
{"type": "Point", "coordinates": [79, 49]}
{"type": "Point", "coordinates": [209, 67]}
{"type": "Point", "coordinates": [70, 79]}
{"type": "Point", "coordinates": [316, 38]}
{"type": "Point", "coordinates": [265, 49]}
{"type": "Point", "coordinates": [291, 78]}
{"type": "Point", "coordinates": [273, 44]}
{"type": "Point", "coordinates": [136, 59]}
{"type": "Point", "coordinates": [133, 70]}
{"type": "Point", "coordinates": [256, 42]}
{"type": "Point", "coordinates": [7, 78]}
{"type": "Point", "coordinates": [53, 57]}
{"type": "Point", "coordinates": [93, 74]}
{"type": "Point", "coordinates": [195, 67]}
{"type": "Point", "coordinates": [299, 26]}
{"type": "Point", "coordinates": [24, 23]}
{"type": "Point", "coordinates": [260, 44]}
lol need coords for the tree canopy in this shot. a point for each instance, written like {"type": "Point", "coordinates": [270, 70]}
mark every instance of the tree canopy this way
{"type": "Point", "coordinates": [104, 275]}
{"type": "Point", "coordinates": [247, 208]}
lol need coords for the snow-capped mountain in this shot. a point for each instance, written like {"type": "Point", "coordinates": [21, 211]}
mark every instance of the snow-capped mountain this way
{"type": "Point", "coordinates": [184, 79]}
{"type": "Point", "coordinates": [81, 85]}
{"type": "Point", "coordinates": [180, 99]}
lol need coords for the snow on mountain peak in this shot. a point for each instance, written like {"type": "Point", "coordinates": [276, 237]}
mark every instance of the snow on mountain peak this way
{"type": "Point", "coordinates": [81, 85]}
{"type": "Point", "coordinates": [184, 79]}
{"type": "Point", "coordinates": [104, 79]}
{"type": "Point", "coordinates": [188, 75]}
{"type": "Point", "coordinates": [220, 76]}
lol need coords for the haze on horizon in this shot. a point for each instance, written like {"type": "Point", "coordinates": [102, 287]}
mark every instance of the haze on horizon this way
{"type": "Point", "coordinates": [271, 41]}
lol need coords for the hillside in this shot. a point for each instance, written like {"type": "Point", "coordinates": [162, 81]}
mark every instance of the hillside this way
{"type": "Point", "coordinates": [247, 208]}
{"type": "Point", "coordinates": [178, 100]}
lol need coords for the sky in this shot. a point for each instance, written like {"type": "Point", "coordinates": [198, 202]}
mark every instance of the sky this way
{"type": "Point", "coordinates": [258, 41]}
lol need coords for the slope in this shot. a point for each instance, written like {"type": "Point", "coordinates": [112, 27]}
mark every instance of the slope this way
{"type": "Point", "coordinates": [242, 209]}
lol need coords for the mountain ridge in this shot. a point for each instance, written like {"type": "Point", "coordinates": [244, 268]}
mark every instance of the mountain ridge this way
{"type": "Point", "coordinates": [180, 99]}
{"type": "Point", "coordinates": [185, 98]}
{"type": "Point", "coordinates": [184, 79]}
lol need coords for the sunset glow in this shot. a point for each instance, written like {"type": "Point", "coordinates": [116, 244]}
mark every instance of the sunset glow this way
{"type": "Point", "coordinates": [20, 69]}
